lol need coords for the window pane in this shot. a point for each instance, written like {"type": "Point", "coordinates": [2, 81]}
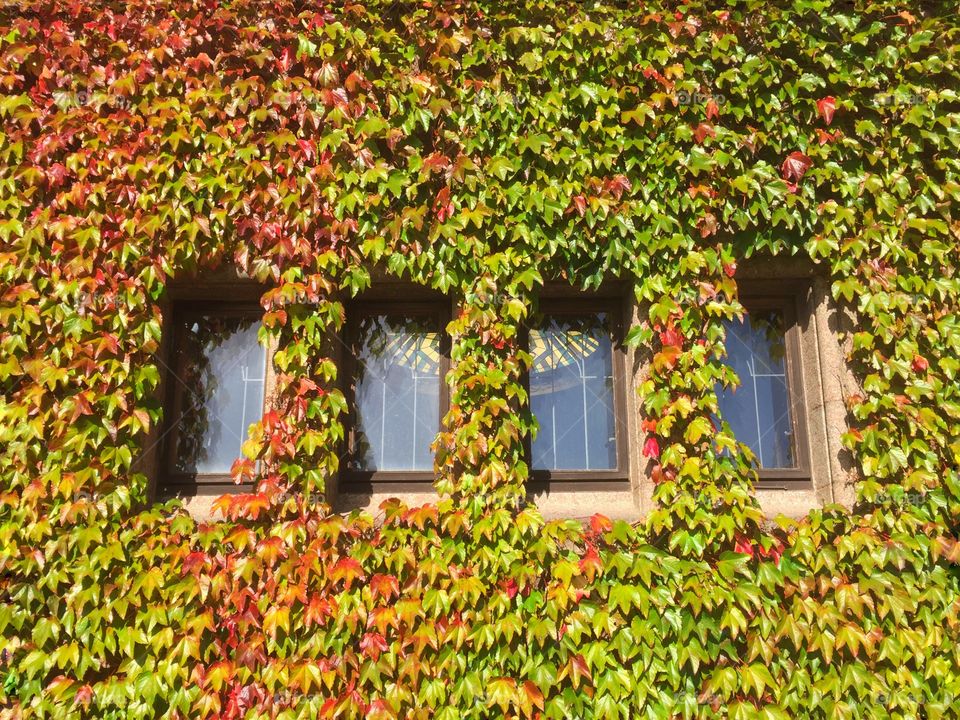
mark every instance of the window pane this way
{"type": "Point", "coordinates": [221, 375]}
{"type": "Point", "coordinates": [397, 393]}
{"type": "Point", "coordinates": [759, 409]}
{"type": "Point", "coordinates": [571, 394]}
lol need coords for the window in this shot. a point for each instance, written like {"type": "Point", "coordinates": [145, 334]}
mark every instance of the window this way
{"type": "Point", "coordinates": [576, 386]}
{"type": "Point", "coordinates": [216, 385]}
{"type": "Point", "coordinates": [397, 361]}
{"type": "Point", "coordinates": [766, 412]}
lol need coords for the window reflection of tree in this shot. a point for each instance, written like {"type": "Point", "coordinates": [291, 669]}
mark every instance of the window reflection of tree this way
{"type": "Point", "coordinates": [201, 335]}
{"type": "Point", "coordinates": [761, 344]}
{"type": "Point", "coordinates": [569, 342]}
{"type": "Point", "coordinates": [384, 342]}
{"type": "Point", "coordinates": [772, 327]}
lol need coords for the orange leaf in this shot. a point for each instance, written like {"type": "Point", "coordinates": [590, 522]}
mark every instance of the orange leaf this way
{"type": "Point", "coordinates": [346, 569]}
{"type": "Point", "coordinates": [578, 669]}
{"type": "Point", "coordinates": [385, 586]}
{"type": "Point", "coordinates": [533, 694]}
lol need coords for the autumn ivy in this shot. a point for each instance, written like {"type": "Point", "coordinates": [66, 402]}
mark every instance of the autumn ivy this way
{"type": "Point", "coordinates": [480, 149]}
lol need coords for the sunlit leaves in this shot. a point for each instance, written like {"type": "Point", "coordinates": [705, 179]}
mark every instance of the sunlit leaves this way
{"type": "Point", "coordinates": [483, 152]}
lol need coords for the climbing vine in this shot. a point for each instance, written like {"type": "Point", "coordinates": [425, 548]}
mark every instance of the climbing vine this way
{"type": "Point", "coordinates": [480, 149]}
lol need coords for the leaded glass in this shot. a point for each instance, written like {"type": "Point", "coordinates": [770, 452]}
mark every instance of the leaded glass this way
{"type": "Point", "coordinates": [759, 409]}
{"type": "Point", "coordinates": [396, 393]}
{"type": "Point", "coordinates": [221, 369]}
{"type": "Point", "coordinates": [571, 393]}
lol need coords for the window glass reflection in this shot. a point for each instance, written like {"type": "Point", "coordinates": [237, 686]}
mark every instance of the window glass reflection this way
{"type": "Point", "coordinates": [571, 394]}
{"type": "Point", "coordinates": [397, 393]}
{"type": "Point", "coordinates": [759, 410]}
{"type": "Point", "coordinates": [221, 369]}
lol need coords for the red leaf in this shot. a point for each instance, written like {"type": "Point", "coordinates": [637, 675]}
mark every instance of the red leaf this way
{"type": "Point", "coordinates": [920, 363]}
{"type": "Point", "coordinates": [275, 318]}
{"type": "Point", "coordinates": [196, 64]}
{"type": "Point", "coordinates": [657, 475]}
{"type": "Point", "coordinates": [442, 205]}
{"type": "Point", "coordinates": [81, 406]}
{"type": "Point", "coordinates": [702, 131]}
{"type": "Point", "coordinates": [194, 562]}
{"type": "Point", "coordinates": [600, 523]}
{"type": "Point", "coordinates": [306, 147]}
{"type": "Point", "coordinates": [372, 644]}
{"type": "Point", "coordinates": [670, 337]}
{"type": "Point", "coordinates": [651, 448]}
{"type": "Point", "coordinates": [285, 61]}
{"type": "Point", "coordinates": [84, 695]}
{"type": "Point", "coordinates": [826, 107]}
{"type": "Point", "coordinates": [271, 419]}
{"type": "Point", "coordinates": [306, 386]}
{"type": "Point", "coordinates": [580, 203]}
{"type": "Point", "coordinates": [712, 109]}
{"type": "Point", "coordinates": [795, 166]}
{"type": "Point", "coordinates": [316, 611]}
{"type": "Point", "coordinates": [436, 161]}
{"type": "Point", "coordinates": [743, 545]}
{"type": "Point", "coordinates": [617, 185]}
{"type": "Point", "coordinates": [827, 137]}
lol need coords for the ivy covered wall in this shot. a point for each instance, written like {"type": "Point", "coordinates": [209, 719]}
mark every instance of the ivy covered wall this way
{"type": "Point", "coordinates": [482, 149]}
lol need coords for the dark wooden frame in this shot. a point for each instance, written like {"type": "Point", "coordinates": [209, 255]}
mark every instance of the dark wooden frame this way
{"type": "Point", "coordinates": [785, 295]}
{"type": "Point", "coordinates": [353, 481]}
{"type": "Point", "coordinates": [592, 480]}
{"type": "Point", "coordinates": [173, 483]}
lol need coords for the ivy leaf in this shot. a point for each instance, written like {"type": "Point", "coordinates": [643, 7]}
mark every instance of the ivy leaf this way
{"type": "Point", "coordinates": [757, 678]}
{"type": "Point", "coordinates": [577, 670]}
{"type": "Point", "coordinates": [826, 107]}
{"type": "Point", "coordinates": [533, 698]}
{"type": "Point", "coordinates": [795, 166]}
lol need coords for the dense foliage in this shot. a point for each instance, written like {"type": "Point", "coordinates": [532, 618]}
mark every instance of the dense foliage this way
{"type": "Point", "coordinates": [479, 148]}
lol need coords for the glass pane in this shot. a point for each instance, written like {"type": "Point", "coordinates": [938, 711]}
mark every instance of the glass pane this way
{"type": "Point", "coordinates": [221, 371]}
{"type": "Point", "coordinates": [397, 393]}
{"type": "Point", "coordinates": [571, 394]}
{"type": "Point", "coordinates": [759, 409]}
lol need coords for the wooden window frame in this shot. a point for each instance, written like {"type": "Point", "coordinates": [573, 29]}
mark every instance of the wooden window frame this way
{"type": "Point", "coordinates": [351, 480]}
{"type": "Point", "coordinates": [169, 483]}
{"type": "Point", "coordinates": [785, 295]}
{"type": "Point", "coordinates": [616, 479]}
